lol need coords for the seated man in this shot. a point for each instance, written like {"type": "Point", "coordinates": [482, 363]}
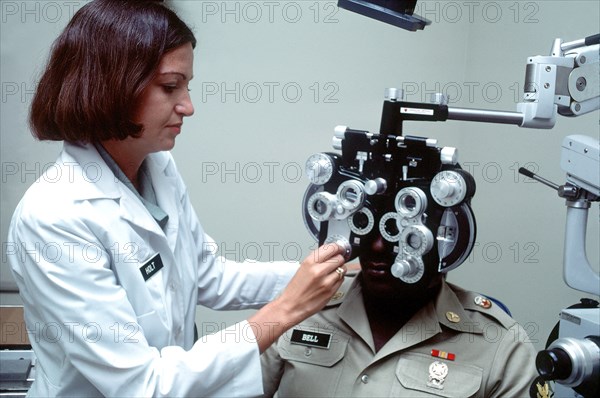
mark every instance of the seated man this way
{"type": "Point", "coordinates": [380, 337]}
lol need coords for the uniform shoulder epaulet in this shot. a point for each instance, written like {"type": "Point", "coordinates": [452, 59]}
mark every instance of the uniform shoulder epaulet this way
{"type": "Point", "coordinates": [340, 295]}
{"type": "Point", "coordinates": [485, 305]}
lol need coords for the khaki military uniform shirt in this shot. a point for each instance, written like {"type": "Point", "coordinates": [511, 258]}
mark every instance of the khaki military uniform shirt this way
{"type": "Point", "coordinates": [456, 346]}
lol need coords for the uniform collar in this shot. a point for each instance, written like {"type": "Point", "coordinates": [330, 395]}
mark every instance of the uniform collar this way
{"type": "Point", "coordinates": [445, 310]}
{"type": "Point", "coordinates": [451, 313]}
{"type": "Point", "coordinates": [352, 312]}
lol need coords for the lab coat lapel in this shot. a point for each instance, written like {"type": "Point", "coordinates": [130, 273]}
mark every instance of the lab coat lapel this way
{"type": "Point", "coordinates": [100, 183]}
{"type": "Point", "coordinates": [97, 181]}
{"type": "Point", "coordinates": [165, 187]}
{"type": "Point", "coordinates": [134, 212]}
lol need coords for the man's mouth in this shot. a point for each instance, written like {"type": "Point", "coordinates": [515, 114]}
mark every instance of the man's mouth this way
{"type": "Point", "coordinates": [377, 268]}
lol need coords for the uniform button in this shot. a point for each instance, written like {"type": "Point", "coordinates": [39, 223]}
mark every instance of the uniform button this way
{"type": "Point", "coordinates": [307, 351]}
{"type": "Point", "coordinates": [364, 379]}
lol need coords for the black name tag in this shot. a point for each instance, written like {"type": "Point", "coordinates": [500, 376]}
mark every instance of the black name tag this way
{"type": "Point", "coordinates": [151, 267]}
{"type": "Point", "coordinates": [313, 339]}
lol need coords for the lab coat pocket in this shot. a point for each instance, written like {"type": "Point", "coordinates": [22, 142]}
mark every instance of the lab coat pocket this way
{"type": "Point", "coordinates": [152, 328]}
{"type": "Point", "coordinates": [424, 376]}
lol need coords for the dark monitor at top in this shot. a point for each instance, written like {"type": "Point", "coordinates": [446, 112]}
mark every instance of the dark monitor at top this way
{"type": "Point", "coordinates": [395, 12]}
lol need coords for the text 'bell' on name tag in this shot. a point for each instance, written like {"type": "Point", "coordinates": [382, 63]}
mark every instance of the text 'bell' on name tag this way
{"type": "Point", "coordinates": [151, 267]}
{"type": "Point", "coordinates": [313, 339]}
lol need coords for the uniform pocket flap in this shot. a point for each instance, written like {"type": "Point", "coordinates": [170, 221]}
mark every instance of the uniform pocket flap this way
{"type": "Point", "coordinates": [323, 348]}
{"type": "Point", "coordinates": [434, 376]}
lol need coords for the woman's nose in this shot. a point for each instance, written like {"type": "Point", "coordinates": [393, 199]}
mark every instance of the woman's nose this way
{"type": "Point", "coordinates": [185, 106]}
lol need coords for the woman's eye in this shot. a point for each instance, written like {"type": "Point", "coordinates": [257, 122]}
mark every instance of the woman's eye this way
{"type": "Point", "coordinates": [169, 88]}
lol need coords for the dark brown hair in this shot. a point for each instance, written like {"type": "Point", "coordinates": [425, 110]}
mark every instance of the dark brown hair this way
{"type": "Point", "coordinates": [99, 66]}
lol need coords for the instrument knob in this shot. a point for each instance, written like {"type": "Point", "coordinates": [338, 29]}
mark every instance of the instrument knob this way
{"type": "Point", "coordinates": [319, 168]}
{"type": "Point", "coordinates": [376, 186]}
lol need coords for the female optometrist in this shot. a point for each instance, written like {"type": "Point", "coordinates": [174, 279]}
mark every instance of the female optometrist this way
{"type": "Point", "coordinates": [112, 260]}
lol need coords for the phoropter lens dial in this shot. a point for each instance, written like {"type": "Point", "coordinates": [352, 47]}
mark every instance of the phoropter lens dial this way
{"type": "Point", "coordinates": [449, 188]}
{"type": "Point", "coordinates": [351, 195]}
{"type": "Point", "coordinates": [416, 240]}
{"type": "Point", "coordinates": [388, 227]}
{"type": "Point", "coordinates": [410, 202]}
{"type": "Point", "coordinates": [321, 205]}
{"type": "Point", "coordinates": [319, 168]}
{"type": "Point", "coordinates": [408, 269]}
{"type": "Point", "coordinates": [362, 222]}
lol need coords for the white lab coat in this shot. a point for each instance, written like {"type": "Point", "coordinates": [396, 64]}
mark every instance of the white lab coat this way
{"type": "Point", "coordinates": [76, 244]}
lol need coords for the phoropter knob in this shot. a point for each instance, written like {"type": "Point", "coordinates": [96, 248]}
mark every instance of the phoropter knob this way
{"type": "Point", "coordinates": [319, 168]}
{"type": "Point", "coordinates": [376, 186]}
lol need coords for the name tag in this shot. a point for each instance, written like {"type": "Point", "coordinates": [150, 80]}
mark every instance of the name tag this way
{"type": "Point", "coordinates": [313, 339]}
{"type": "Point", "coordinates": [151, 267]}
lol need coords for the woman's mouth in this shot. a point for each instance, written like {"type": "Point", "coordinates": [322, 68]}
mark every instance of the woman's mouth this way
{"type": "Point", "coordinates": [175, 127]}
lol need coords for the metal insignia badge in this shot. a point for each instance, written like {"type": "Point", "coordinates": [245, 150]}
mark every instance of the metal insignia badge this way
{"type": "Point", "coordinates": [437, 375]}
{"type": "Point", "coordinates": [452, 317]}
{"type": "Point", "coordinates": [483, 302]}
{"type": "Point", "coordinates": [543, 391]}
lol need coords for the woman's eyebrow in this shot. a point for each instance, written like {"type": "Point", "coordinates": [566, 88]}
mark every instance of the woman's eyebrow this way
{"type": "Point", "coordinates": [183, 76]}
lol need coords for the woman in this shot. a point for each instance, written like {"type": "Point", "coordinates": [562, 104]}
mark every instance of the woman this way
{"type": "Point", "coordinates": [112, 259]}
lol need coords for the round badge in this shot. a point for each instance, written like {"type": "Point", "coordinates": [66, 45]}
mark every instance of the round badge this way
{"type": "Point", "coordinates": [483, 302]}
{"type": "Point", "coordinates": [337, 296]}
{"type": "Point", "coordinates": [453, 317]}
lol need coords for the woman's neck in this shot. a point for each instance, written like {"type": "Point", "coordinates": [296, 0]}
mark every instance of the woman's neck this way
{"type": "Point", "coordinates": [127, 156]}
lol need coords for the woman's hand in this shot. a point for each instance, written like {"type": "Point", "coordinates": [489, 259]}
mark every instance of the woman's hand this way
{"type": "Point", "coordinates": [318, 278]}
{"type": "Point", "coordinates": [314, 283]}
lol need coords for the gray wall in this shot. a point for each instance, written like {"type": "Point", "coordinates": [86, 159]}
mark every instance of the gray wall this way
{"type": "Point", "coordinates": [272, 80]}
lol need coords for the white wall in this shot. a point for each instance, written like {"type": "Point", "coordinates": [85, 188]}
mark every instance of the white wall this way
{"type": "Point", "coordinates": [272, 80]}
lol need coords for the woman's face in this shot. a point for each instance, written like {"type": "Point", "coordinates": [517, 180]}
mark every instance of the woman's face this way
{"type": "Point", "coordinates": [166, 101]}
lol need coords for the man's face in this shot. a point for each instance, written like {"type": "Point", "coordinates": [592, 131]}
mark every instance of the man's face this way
{"type": "Point", "coordinates": [376, 259]}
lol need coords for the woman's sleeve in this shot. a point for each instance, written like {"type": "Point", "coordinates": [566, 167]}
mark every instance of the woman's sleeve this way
{"type": "Point", "coordinates": [229, 285]}
{"type": "Point", "coordinates": [80, 317]}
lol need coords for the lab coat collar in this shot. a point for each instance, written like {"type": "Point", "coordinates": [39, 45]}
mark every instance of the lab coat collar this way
{"type": "Point", "coordinates": [165, 187]}
{"type": "Point", "coordinates": [95, 180]}
{"type": "Point", "coordinates": [88, 172]}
